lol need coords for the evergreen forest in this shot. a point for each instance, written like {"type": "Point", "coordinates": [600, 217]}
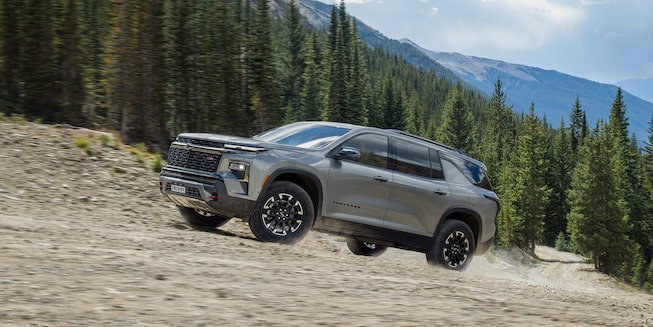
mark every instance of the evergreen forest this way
{"type": "Point", "coordinates": [150, 69]}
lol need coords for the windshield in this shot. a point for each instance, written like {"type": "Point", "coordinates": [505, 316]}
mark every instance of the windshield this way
{"type": "Point", "coordinates": [303, 135]}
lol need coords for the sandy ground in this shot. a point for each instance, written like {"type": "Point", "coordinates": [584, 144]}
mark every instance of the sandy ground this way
{"type": "Point", "coordinates": [87, 240]}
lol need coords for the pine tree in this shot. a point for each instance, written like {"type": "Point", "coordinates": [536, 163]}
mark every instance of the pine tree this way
{"type": "Point", "coordinates": [559, 179]}
{"type": "Point", "coordinates": [10, 45]}
{"type": "Point", "coordinates": [358, 92]}
{"type": "Point", "coordinates": [149, 124]}
{"type": "Point", "coordinates": [617, 127]}
{"type": "Point", "coordinates": [457, 127]}
{"type": "Point", "coordinates": [627, 158]}
{"type": "Point", "coordinates": [135, 72]}
{"type": "Point", "coordinates": [71, 74]}
{"type": "Point", "coordinates": [598, 221]}
{"type": "Point", "coordinates": [124, 69]}
{"type": "Point", "coordinates": [264, 88]}
{"type": "Point", "coordinates": [648, 144]}
{"type": "Point", "coordinates": [180, 70]}
{"type": "Point", "coordinates": [414, 110]}
{"type": "Point", "coordinates": [531, 192]}
{"type": "Point", "coordinates": [498, 133]}
{"type": "Point", "coordinates": [38, 64]}
{"type": "Point", "coordinates": [94, 30]}
{"type": "Point", "coordinates": [312, 95]}
{"type": "Point", "coordinates": [230, 113]}
{"type": "Point", "coordinates": [337, 100]}
{"type": "Point", "coordinates": [578, 128]}
{"type": "Point", "coordinates": [294, 63]}
{"type": "Point", "coordinates": [393, 106]}
{"type": "Point", "coordinates": [376, 110]}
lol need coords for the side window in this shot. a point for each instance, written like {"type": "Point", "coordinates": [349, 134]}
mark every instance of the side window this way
{"type": "Point", "coordinates": [436, 165]}
{"type": "Point", "coordinates": [412, 159]}
{"type": "Point", "coordinates": [373, 149]}
{"type": "Point", "coordinates": [454, 175]}
{"type": "Point", "coordinates": [474, 173]}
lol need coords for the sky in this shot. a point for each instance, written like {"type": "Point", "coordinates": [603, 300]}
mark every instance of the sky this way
{"type": "Point", "coordinates": [602, 40]}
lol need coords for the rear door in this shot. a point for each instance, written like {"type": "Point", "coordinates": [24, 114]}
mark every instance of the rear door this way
{"type": "Point", "coordinates": [419, 194]}
{"type": "Point", "coordinates": [358, 184]}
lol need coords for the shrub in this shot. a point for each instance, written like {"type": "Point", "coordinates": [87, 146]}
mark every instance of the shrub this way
{"type": "Point", "coordinates": [562, 244]}
{"type": "Point", "coordinates": [85, 144]}
{"type": "Point", "coordinates": [141, 147]}
{"type": "Point", "coordinates": [105, 139]}
{"type": "Point", "coordinates": [158, 163]}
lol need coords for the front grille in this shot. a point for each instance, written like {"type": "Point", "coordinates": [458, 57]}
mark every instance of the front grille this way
{"type": "Point", "coordinates": [194, 158]}
{"type": "Point", "coordinates": [206, 143]}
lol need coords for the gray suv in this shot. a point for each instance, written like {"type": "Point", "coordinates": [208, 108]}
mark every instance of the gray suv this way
{"type": "Point", "coordinates": [377, 188]}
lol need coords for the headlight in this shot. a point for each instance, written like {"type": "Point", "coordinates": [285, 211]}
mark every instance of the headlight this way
{"type": "Point", "coordinates": [239, 169]}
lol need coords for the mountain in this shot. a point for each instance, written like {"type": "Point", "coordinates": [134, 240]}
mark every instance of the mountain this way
{"type": "Point", "coordinates": [642, 88]}
{"type": "Point", "coordinates": [318, 14]}
{"type": "Point", "coordinates": [552, 92]}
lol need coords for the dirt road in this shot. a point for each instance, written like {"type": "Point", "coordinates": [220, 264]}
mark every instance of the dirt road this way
{"type": "Point", "coordinates": [87, 240]}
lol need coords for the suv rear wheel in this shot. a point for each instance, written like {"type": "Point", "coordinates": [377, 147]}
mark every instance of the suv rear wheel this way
{"type": "Point", "coordinates": [453, 247]}
{"type": "Point", "coordinates": [202, 220]}
{"type": "Point", "coordinates": [285, 214]}
{"type": "Point", "coordinates": [365, 248]}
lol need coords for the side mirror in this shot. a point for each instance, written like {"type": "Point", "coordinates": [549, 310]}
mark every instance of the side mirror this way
{"type": "Point", "coordinates": [348, 154]}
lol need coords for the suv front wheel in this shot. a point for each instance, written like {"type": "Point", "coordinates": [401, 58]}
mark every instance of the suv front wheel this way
{"type": "Point", "coordinates": [453, 247]}
{"type": "Point", "coordinates": [284, 215]}
{"type": "Point", "coordinates": [202, 220]}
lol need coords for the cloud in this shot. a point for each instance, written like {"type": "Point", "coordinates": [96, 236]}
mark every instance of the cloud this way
{"type": "Point", "coordinates": [506, 25]}
{"type": "Point", "coordinates": [433, 11]}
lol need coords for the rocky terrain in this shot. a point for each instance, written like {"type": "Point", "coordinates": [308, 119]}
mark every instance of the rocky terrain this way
{"type": "Point", "coordinates": [86, 239]}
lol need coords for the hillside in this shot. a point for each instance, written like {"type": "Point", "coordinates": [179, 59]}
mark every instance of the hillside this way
{"type": "Point", "coordinates": [87, 240]}
{"type": "Point", "coordinates": [552, 92]}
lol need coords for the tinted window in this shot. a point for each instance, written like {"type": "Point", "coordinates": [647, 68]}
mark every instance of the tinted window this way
{"type": "Point", "coordinates": [373, 149]}
{"type": "Point", "coordinates": [473, 172]}
{"type": "Point", "coordinates": [304, 135]}
{"type": "Point", "coordinates": [436, 165]}
{"type": "Point", "coordinates": [412, 159]}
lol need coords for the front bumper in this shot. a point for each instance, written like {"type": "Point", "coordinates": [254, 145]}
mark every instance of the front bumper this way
{"type": "Point", "coordinates": [205, 194]}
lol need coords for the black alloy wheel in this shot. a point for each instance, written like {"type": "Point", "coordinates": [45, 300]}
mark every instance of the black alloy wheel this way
{"type": "Point", "coordinates": [285, 215]}
{"type": "Point", "coordinates": [453, 247]}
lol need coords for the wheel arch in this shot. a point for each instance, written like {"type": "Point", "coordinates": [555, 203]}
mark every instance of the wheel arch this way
{"type": "Point", "coordinates": [304, 179]}
{"type": "Point", "coordinates": [466, 215]}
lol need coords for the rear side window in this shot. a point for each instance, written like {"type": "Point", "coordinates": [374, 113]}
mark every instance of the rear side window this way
{"type": "Point", "coordinates": [412, 159]}
{"type": "Point", "coordinates": [417, 160]}
{"type": "Point", "coordinates": [474, 173]}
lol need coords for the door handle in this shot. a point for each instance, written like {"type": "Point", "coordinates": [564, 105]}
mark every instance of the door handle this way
{"type": "Point", "coordinates": [440, 191]}
{"type": "Point", "coordinates": [380, 179]}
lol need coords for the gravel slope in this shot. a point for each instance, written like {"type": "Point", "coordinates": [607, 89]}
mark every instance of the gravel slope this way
{"type": "Point", "coordinates": [88, 240]}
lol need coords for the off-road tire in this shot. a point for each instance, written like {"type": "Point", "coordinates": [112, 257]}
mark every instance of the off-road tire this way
{"type": "Point", "coordinates": [285, 214]}
{"type": "Point", "coordinates": [365, 248]}
{"type": "Point", "coordinates": [453, 247]}
{"type": "Point", "coordinates": [202, 220]}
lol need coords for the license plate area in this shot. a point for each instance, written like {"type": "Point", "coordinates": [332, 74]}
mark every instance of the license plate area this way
{"type": "Point", "coordinates": [178, 188]}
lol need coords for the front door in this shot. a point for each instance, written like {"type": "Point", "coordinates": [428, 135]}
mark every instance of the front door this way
{"type": "Point", "coordinates": [358, 184]}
